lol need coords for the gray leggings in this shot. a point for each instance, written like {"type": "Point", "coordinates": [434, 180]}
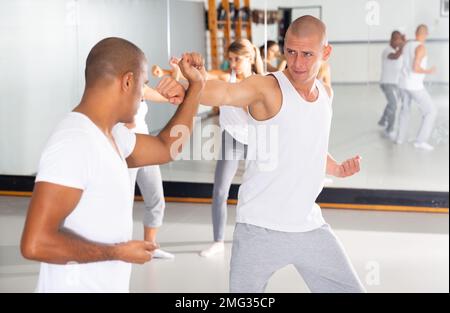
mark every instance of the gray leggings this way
{"type": "Point", "coordinates": [232, 152]}
{"type": "Point", "coordinates": [317, 255]}
{"type": "Point", "coordinates": [392, 94]}
{"type": "Point", "coordinates": [150, 184]}
{"type": "Point", "coordinates": [426, 106]}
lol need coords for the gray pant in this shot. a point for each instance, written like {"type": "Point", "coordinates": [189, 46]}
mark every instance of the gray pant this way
{"type": "Point", "coordinates": [150, 184]}
{"type": "Point", "coordinates": [232, 151]}
{"type": "Point", "coordinates": [392, 94]}
{"type": "Point", "coordinates": [317, 255]}
{"type": "Point", "coordinates": [426, 106]}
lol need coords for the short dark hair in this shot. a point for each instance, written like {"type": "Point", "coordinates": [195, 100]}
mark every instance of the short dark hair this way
{"type": "Point", "coordinates": [110, 58]}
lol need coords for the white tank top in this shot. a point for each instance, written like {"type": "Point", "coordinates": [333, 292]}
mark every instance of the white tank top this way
{"type": "Point", "coordinates": [279, 193]}
{"type": "Point", "coordinates": [139, 119]}
{"type": "Point", "coordinates": [234, 120]}
{"type": "Point", "coordinates": [409, 79]}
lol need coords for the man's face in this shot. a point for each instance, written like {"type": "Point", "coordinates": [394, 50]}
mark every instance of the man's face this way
{"type": "Point", "coordinates": [305, 56]}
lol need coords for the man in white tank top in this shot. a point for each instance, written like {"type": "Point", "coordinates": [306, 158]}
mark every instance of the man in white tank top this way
{"type": "Point", "coordinates": [413, 73]}
{"type": "Point", "coordinates": [278, 221]}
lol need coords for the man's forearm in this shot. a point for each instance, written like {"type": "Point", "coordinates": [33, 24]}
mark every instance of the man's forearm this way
{"type": "Point", "coordinates": [331, 165]}
{"type": "Point", "coordinates": [184, 115]}
{"type": "Point", "coordinates": [151, 94]}
{"type": "Point", "coordinates": [64, 247]}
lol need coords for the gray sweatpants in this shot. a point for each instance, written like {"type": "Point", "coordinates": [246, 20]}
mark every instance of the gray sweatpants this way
{"type": "Point", "coordinates": [232, 151]}
{"type": "Point", "coordinates": [392, 94]}
{"type": "Point", "coordinates": [317, 255]}
{"type": "Point", "coordinates": [150, 184]}
{"type": "Point", "coordinates": [426, 106]}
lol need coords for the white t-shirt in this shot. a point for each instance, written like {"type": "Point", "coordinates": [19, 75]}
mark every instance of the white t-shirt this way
{"type": "Point", "coordinates": [139, 119]}
{"type": "Point", "coordinates": [79, 155]}
{"type": "Point", "coordinates": [391, 68]}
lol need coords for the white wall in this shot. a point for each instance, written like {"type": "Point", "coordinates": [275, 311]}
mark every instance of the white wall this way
{"type": "Point", "coordinates": [347, 21]}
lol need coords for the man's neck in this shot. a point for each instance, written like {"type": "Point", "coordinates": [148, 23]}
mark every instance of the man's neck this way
{"type": "Point", "coordinates": [307, 90]}
{"type": "Point", "coordinates": [98, 111]}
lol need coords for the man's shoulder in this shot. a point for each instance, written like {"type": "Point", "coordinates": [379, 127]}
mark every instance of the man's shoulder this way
{"type": "Point", "coordinates": [72, 129]}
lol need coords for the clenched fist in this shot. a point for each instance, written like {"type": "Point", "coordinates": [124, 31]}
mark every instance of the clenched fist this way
{"type": "Point", "coordinates": [192, 66]}
{"type": "Point", "coordinates": [169, 88]}
{"type": "Point", "coordinates": [135, 251]}
{"type": "Point", "coordinates": [346, 169]}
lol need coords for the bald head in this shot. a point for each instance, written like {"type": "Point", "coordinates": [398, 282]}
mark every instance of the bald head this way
{"type": "Point", "coordinates": [110, 58]}
{"type": "Point", "coordinates": [308, 26]}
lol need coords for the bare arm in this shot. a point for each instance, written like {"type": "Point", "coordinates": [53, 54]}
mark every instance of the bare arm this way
{"type": "Point", "coordinates": [346, 169]}
{"type": "Point", "coordinates": [44, 240]}
{"type": "Point", "coordinates": [396, 55]}
{"type": "Point", "coordinates": [159, 149]}
{"type": "Point", "coordinates": [417, 67]}
{"type": "Point", "coordinates": [245, 93]}
{"type": "Point", "coordinates": [151, 94]}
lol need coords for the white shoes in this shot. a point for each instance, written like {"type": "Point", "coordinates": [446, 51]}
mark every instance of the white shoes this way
{"type": "Point", "coordinates": [161, 254]}
{"type": "Point", "coordinates": [424, 146]}
{"type": "Point", "coordinates": [215, 248]}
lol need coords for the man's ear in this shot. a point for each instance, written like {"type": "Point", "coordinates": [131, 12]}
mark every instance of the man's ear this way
{"type": "Point", "coordinates": [327, 52]}
{"type": "Point", "coordinates": [127, 80]}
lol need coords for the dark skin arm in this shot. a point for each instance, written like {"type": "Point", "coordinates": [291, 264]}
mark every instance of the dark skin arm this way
{"type": "Point", "coordinates": [44, 239]}
{"type": "Point", "coordinates": [163, 148]}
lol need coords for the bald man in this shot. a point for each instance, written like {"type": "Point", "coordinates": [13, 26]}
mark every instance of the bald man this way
{"type": "Point", "coordinates": [79, 221]}
{"type": "Point", "coordinates": [278, 221]}
{"type": "Point", "coordinates": [412, 88]}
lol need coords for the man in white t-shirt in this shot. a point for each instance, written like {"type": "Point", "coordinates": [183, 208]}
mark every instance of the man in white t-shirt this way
{"type": "Point", "coordinates": [391, 66]}
{"type": "Point", "coordinates": [79, 222]}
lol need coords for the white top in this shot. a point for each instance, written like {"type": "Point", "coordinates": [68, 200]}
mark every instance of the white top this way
{"type": "Point", "coordinates": [279, 192]}
{"type": "Point", "coordinates": [79, 155]}
{"type": "Point", "coordinates": [409, 79]}
{"type": "Point", "coordinates": [139, 119]}
{"type": "Point", "coordinates": [234, 120]}
{"type": "Point", "coordinates": [390, 73]}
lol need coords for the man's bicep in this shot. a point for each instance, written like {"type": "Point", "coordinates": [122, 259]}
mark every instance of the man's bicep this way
{"type": "Point", "coordinates": [149, 150]}
{"type": "Point", "coordinates": [50, 205]}
{"type": "Point", "coordinates": [245, 93]}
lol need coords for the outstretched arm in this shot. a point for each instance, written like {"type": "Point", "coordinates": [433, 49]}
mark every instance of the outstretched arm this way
{"type": "Point", "coordinates": [159, 149]}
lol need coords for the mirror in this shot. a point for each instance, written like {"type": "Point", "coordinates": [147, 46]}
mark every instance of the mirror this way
{"type": "Point", "coordinates": [45, 43]}
{"type": "Point", "coordinates": [356, 68]}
